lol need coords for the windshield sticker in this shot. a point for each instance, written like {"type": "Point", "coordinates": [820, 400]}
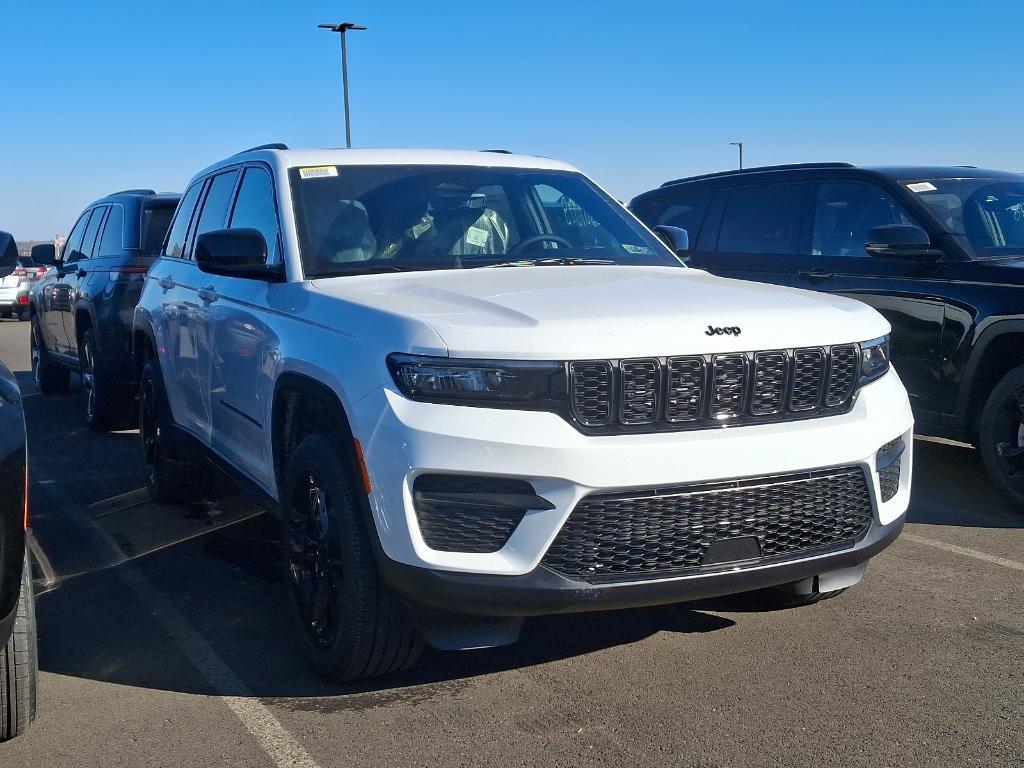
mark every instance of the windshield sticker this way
{"type": "Point", "coordinates": [637, 249]}
{"type": "Point", "coordinates": [921, 186]}
{"type": "Point", "coordinates": [476, 236]}
{"type": "Point", "coordinates": [318, 172]}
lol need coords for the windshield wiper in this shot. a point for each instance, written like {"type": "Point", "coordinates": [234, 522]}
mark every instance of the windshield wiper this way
{"type": "Point", "coordinates": [555, 261]}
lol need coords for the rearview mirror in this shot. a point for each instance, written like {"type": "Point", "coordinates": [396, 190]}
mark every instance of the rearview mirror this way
{"type": "Point", "coordinates": [676, 238]}
{"type": "Point", "coordinates": [44, 254]}
{"type": "Point", "coordinates": [904, 241]}
{"type": "Point", "coordinates": [236, 253]}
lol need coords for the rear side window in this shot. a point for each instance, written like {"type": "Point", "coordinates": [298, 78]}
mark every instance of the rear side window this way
{"type": "Point", "coordinates": [156, 218]}
{"type": "Point", "coordinates": [111, 241]}
{"type": "Point", "coordinates": [179, 229]}
{"type": "Point", "coordinates": [255, 208]}
{"type": "Point", "coordinates": [683, 211]}
{"type": "Point", "coordinates": [215, 207]}
{"type": "Point", "coordinates": [761, 219]}
{"type": "Point", "coordinates": [88, 249]}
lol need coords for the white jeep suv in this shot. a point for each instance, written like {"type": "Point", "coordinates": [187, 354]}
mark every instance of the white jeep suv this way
{"type": "Point", "coordinates": [476, 389]}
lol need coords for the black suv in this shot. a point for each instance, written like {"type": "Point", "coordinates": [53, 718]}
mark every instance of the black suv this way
{"type": "Point", "coordinates": [82, 309]}
{"type": "Point", "coordinates": [938, 251]}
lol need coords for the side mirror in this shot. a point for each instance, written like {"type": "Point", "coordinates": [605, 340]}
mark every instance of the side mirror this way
{"type": "Point", "coordinates": [902, 241]}
{"type": "Point", "coordinates": [676, 238]}
{"type": "Point", "coordinates": [236, 253]}
{"type": "Point", "coordinates": [44, 254]}
{"type": "Point", "coordinates": [8, 254]}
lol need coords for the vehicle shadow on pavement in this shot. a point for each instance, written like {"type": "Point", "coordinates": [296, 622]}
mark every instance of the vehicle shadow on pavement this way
{"type": "Point", "coordinates": [950, 487]}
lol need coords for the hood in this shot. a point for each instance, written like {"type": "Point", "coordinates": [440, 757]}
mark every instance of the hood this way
{"type": "Point", "coordinates": [577, 312]}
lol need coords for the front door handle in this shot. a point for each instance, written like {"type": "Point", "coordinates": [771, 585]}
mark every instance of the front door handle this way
{"type": "Point", "coordinates": [166, 283]}
{"type": "Point", "coordinates": [208, 294]}
{"type": "Point", "coordinates": [815, 274]}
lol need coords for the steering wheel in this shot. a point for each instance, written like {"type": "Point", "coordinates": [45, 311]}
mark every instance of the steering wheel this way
{"type": "Point", "coordinates": [522, 244]}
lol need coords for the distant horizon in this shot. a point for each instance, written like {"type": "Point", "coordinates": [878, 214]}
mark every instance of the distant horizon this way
{"type": "Point", "coordinates": [631, 99]}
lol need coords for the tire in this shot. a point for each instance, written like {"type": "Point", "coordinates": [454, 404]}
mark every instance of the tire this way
{"type": "Point", "coordinates": [106, 408]}
{"type": "Point", "coordinates": [19, 667]}
{"type": "Point", "coordinates": [171, 475]}
{"type": "Point", "coordinates": [50, 378]}
{"type": "Point", "coordinates": [23, 316]}
{"type": "Point", "coordinates": [1001, 436]}
{"type": "Point", "coordinates": [5, 314]}
{"type": "Point", "coordinates": [353, 625]}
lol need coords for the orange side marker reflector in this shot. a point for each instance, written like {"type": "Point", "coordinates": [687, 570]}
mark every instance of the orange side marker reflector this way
{"type": "Point", "coordinates": [362, 467]}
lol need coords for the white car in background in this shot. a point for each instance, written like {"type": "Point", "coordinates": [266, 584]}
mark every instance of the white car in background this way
{"type": "Point", "coordinates": [476, 389]}
{"type": "Point", "coordinates": [16, 287]}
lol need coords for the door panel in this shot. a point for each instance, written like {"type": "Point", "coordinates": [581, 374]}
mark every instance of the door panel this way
{"type": "Point", "coordinates": [75, 276]}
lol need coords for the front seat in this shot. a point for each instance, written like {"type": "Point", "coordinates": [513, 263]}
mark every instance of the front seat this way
{"type": "Point", "coordinates": [349, 237]}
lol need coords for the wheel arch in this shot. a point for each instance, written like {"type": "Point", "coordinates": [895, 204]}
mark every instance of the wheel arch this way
{"type": "Point", "coordinates": [998, 350]}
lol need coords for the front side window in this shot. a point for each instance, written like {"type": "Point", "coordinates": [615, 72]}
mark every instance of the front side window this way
{"type": "Point", "coordinates": [683, 211]}
{"type": "Point", "coordinates": [255, 207]}
{"type": "Point", "coordinates": [179, 229]}
{"type": "Point", "coordinates": [761, 220]}
{"type": "Point", "coordinates": [87, 249]}
{"type": "Point", "coordinates": [845, 212]}
{"type": "Point", "coordinates": [987, 213]}
{"type": "Point", "coordinates": [73, 246]}
{"type": "Point", "coordinates": [215, 207]}
{"type": "Point", "coordinates": [354, 219]}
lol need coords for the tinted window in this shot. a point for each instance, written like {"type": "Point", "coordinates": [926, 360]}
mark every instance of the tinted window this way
{"type": "Point", "coordinates": [215, 206]}
{"type": "Point", "coordinates": [254, 207]}
{"type": "Point", "coordinates": [176, 238]}
{"type": "Point", "coordinates": [72, 248]}
{"type": "Point", "coordinates": [761, 219]}
{"type": "Point", "coordinates": [844, 211]}
{"type": "Point", "coordinates": [111, 243]}
{"type": "Point", "coordinates": [156, 218]}
{"type": "Point", "coordinates": [683, 211]}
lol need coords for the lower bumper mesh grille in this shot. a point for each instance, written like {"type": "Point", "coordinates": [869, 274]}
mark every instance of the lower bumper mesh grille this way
{"type": "Point", "coordinates": [648, 533]}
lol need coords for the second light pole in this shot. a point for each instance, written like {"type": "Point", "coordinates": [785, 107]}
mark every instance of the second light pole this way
{"type": "Point", "coordinates": [341, 29]}
{"type": "Point", "coordinates": [738, 144]}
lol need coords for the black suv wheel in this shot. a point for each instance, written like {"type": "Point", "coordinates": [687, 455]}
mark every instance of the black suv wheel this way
{"type": "Point", "coordinates": [353, 626]}
{"type": "Point", "coordinates": [1001, 436]}
{"type": "Point", "coordinates": [19, 666]}
{"type": "Point", "coordinates": [50, 377]}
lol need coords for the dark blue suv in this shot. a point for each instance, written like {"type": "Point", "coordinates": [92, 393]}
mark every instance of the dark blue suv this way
{"type": "Point", "coordinates": [82, 309]}
{"type": "Point", "coordinates": [939, 251]}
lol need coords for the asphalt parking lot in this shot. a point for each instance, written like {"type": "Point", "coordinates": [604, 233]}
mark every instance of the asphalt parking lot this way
{"type": "Point", "coordinates": [165, 640]}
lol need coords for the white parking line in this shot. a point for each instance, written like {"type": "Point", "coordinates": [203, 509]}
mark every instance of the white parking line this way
{"type": "Point", "coordinates": [279, 745]}
{"type": "Point", "coordinates": [1005, 563]}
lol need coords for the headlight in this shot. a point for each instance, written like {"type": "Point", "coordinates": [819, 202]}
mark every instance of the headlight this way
{"type": "Point", "coordinates": [444, 379]}
{"type": "Point", "coordinates": [874, 359]}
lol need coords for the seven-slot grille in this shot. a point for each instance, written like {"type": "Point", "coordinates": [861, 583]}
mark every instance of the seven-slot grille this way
{"type": "Point", "coordinates": [647, 533]}
{"type": "Point", "coordinates": [699, 391]}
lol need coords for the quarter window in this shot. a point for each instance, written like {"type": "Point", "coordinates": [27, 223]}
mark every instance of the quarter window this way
{"type": "Point", "coordinates": [254, 207]}
{"type": "Point", "coordinates": [176, 238]}
{"type": "Point", "coordinates": [845, 211]}
{"type": "Point", "coordinates": [761, 219]}
{"type": "Point", "coordinates": [111, 243]}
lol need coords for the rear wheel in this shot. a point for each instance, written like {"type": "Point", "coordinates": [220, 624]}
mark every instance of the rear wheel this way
{"type": "Point", "coordinates": [1001, 436]}
{"type": "Point", "coordinates": [105, 407]}
{"type": "Point", "coordinates": [23, 316]}
{"type": "Point", "coordinates": [50, 377]}
{"type": "Point", "coordinates": [353, 625]}
{"type": "Point", "coordinates": [171, 475]}
{"type": "Point", "coordinates": [19, 666]}
{"type": "Point", "coordinates": [5, 314]}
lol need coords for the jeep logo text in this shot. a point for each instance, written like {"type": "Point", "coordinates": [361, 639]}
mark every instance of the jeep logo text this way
{"type": "Point", "coordinates": [730, 330]}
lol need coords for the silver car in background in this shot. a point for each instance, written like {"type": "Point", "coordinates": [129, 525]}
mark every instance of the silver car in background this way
{"type": "Point", "coordinates": [16, 286]}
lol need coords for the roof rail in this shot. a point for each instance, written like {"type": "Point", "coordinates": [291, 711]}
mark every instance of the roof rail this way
{"type": "Point", "coordinates": [497, 151]}
{"type": "Point", "coordinates": [275, 145]}
{"type": "Point", "coordinates": [133, 192]}
{"type": "Point", "coordinates": [758, 169]}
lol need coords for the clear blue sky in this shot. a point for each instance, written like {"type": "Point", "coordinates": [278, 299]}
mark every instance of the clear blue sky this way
{"type": "Point", "coordinates": [99, 96]}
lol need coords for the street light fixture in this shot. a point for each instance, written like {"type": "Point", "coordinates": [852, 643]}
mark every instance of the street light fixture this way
{"type": "Point", "coordinates": [740, 145]}
{"type": "Point", "coordinates": [341, 29]}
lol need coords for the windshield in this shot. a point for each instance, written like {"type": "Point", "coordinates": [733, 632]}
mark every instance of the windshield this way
{"type": "Point", "coordinates": [358, 219]}
{"type": "Point", "coordinates": [988, 213]}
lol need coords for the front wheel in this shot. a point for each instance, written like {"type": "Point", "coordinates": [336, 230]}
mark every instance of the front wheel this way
{"type": "Point", "coordinates": [19, 665]}
{"type": "Point", "coordinates": [353, 625]}
{"type": "Point", "coordinates": [50, 377]}
{"type": "Point", "coordinates": [1001, 436]}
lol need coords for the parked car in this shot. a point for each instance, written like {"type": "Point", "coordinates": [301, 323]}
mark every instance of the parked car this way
{"type": "Point", "coordinates": [475, 389]}
{"type": "Point", "coordinates": [18, 660]}
{"type": "Point", "coordinates": [17, 284]}
{"type": "Point", "coordinates": [938, 251]}
{"type": "Point", "coordinates": [82, 309]}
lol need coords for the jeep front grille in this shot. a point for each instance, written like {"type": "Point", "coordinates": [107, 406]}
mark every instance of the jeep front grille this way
{"type": "Point", "coordinates": [665, 532]}
{"type": "Point", "coordinates": [701, 391]}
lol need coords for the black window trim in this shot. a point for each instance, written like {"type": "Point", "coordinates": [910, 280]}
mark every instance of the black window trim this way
{"type": "Point", "coordinates": [201, 183]}
{"type": "Point", "coordinates": [279, 249]}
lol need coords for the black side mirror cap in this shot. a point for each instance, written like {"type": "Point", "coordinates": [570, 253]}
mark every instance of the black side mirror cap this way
{"type": "Point", "coordinates": [676, 238]}
{"type": "Point", "coordinates": [44, 254]}
{"type": "Point", "coordinates": [236, 253]}
{"type": "Point", "coordinates": [8, 254]}
{"type": "Point", "coordinates": [901, 241]}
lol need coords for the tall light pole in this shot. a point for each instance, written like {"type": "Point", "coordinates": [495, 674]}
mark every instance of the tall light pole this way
{"type": "Point", "coordinates": [738, 144]}
{"type": "Point", "coordinates": [341, 29]}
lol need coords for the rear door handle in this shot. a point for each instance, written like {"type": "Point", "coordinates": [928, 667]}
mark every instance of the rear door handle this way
{"type": "Point", "coordinates": [81, 273]}
{"type": "Point", "coordinates": [815, 274]}
{"type": "Point", "coordinates": [166, 283]}
{"type": "Point", "coordinates": [208, 294]}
